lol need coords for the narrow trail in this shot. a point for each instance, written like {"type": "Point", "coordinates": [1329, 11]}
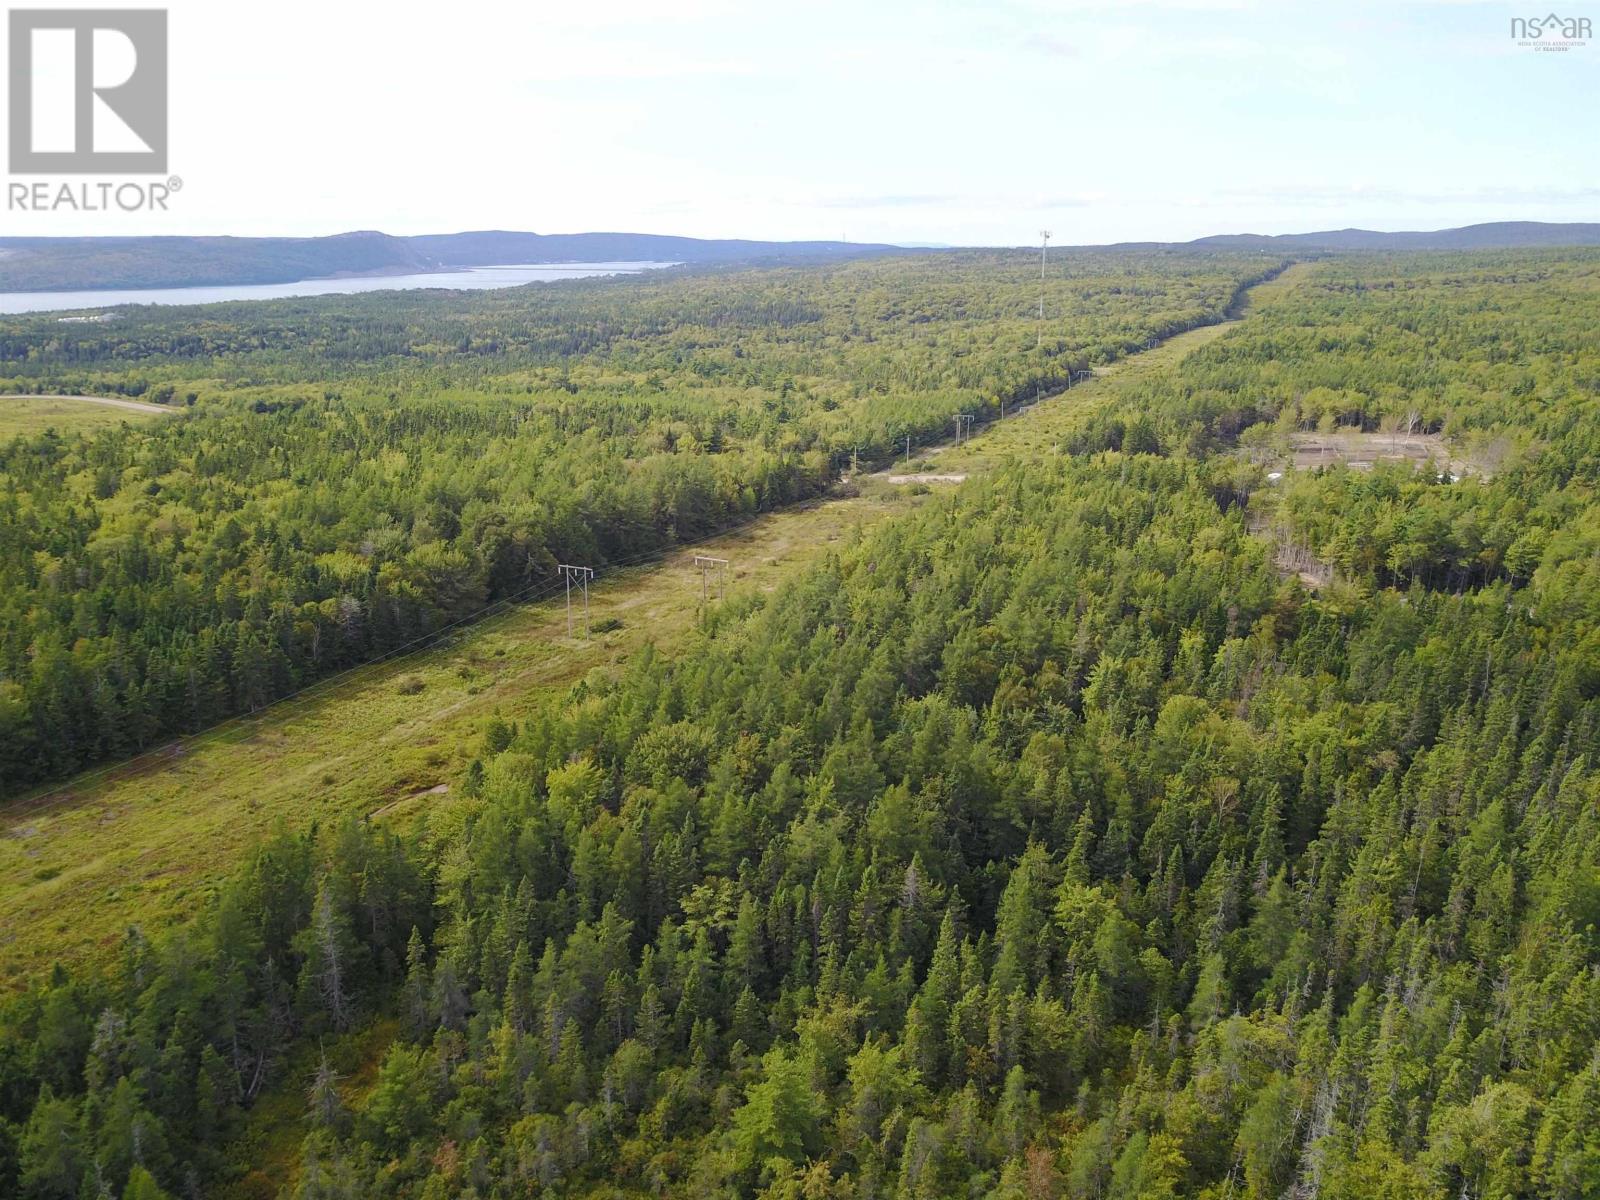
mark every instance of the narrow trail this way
{"type": "Point", "coordinates": [147, 841]}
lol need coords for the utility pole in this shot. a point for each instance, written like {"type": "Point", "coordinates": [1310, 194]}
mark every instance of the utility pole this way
{"type": "Point", "coordinates": [908, 449]}
{"type": "Point", "coordinates": [582, 575]}
{"type": "Point", "coordinates": [707, 564]}
{"type": "Point", "coordinates": [963, 427]}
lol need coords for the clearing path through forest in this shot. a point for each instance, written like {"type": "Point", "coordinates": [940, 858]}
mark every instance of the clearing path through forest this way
{"type": "Point", "coordinates": [146, 841]}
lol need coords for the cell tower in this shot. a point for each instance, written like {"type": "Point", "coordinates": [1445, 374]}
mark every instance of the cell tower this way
{"type": "Point", "coordinates": [1044, 247]}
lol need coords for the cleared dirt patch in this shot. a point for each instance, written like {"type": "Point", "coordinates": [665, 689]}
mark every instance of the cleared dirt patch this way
{"type": "Point", "coordinates": [926, 478]}
{"type": "Point", "coordinates": [1362, 451]}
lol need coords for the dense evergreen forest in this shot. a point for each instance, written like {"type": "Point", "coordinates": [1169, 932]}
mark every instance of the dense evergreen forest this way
{"type": "Point", "coordinates": [354, 474]}
{"type": "Point", "coordinates": [1052, 840]}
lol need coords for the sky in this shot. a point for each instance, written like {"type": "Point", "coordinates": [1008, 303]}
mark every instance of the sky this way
{"type": "Point", "coordinates": [871, 120]}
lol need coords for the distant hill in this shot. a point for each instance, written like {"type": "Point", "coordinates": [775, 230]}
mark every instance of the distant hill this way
{"type": "Point", "coordinates": [502, 246]}
{"type": "Point", "coordinates": [1493, 235]}
{"type": "Point", "coordinates": [58, 264]}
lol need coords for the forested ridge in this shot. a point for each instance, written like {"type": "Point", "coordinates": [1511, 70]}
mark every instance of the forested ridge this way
{"type": "Point", "coordinates": [54, 263]}
{"type": "Point", "coordinates": [357, 473]}
{"type": "Point", "coordinates": [1048, 841]}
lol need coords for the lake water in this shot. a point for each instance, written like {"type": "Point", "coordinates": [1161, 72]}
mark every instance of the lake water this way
{"type": "Point", "coordinates": [467, 278]}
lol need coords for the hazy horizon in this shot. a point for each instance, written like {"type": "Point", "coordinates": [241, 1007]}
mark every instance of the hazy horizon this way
{"type": "Point", "coordinates": [1055, 243]}
{"type": "Point", "coordinates": [1153, 121]}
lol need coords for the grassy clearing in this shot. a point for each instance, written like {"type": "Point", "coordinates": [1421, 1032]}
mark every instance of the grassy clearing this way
{"type": "Point", "coordinates": [23, 416]}
{"type": "Point", "coordinates": [144, 843]}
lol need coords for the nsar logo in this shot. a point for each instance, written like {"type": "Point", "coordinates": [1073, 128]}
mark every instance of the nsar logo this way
{"type": "Point", "coordinates": [1551, 32]}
